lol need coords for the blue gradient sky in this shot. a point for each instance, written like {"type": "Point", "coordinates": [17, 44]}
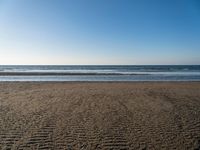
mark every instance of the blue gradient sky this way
{"type": "Point", "coordinates": [100, 32]}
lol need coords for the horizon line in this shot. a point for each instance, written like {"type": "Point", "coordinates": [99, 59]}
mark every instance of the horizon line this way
{"type": "Point", "coordinates": [99, 65]}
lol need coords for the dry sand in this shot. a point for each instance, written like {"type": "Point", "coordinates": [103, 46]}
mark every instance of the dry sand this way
{"type": "Point", "coordinates": [137, 115]}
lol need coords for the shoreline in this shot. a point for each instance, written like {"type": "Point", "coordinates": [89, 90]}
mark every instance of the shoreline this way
{"type": "Point", "coordinates": [99, 82]}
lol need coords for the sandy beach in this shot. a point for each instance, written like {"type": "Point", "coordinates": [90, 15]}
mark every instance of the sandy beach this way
{"type": "Point", "coordinates": [83, 115]}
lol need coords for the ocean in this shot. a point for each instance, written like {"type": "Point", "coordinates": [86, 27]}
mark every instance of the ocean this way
{"type": "Point", "coordinates": [100, 73]}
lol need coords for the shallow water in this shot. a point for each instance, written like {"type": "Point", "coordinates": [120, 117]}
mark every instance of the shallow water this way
{"type": "Point", "coordinates": [100, 73]}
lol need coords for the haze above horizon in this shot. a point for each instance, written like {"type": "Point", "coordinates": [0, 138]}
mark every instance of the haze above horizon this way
{"type": "Point", "coordinates": [99, 32]}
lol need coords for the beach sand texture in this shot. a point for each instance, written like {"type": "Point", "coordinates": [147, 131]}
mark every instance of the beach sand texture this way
{"type": "Point", "coordinates": [75, 115]}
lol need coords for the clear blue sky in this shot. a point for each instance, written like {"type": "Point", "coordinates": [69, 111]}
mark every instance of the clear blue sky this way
{"type": "Point", "coordinates": [100, 32]}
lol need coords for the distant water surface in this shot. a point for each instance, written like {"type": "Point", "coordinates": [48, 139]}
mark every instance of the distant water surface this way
{"type": "Point", "coordinates": [101, 73]}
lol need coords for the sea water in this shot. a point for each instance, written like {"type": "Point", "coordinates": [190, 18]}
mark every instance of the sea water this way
{"type": "Point", "coordinates": [100, 73]}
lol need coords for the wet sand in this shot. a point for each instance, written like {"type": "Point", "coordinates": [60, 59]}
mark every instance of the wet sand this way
{"type": "Point", "coordinates": [75, 115]}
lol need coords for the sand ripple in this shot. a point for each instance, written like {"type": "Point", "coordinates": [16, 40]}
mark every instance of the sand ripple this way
{"type": "Point", "coordinates": [100, 115]}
